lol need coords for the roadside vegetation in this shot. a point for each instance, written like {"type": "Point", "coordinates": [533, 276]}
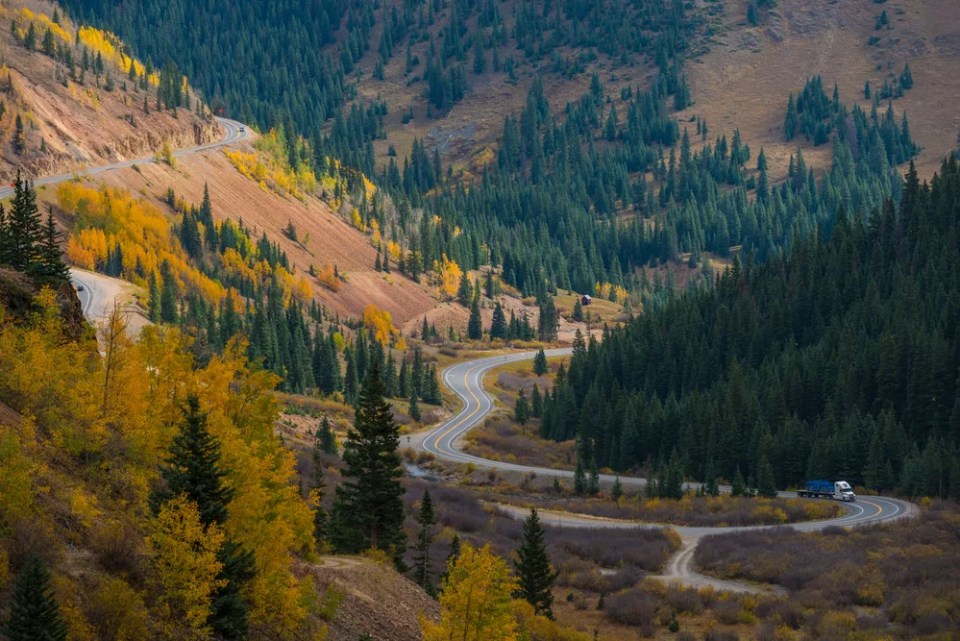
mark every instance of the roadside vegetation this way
{"type": "Point", "coordinates": [881, 582]}
{"type": "Point", "coordinates": [705, 511]}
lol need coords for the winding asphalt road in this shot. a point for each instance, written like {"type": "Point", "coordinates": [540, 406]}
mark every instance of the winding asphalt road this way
{"type": "Point", "coordinates": [234, 132]}
{"type": "Point", "coordinates": [466, 381]}
{"type": "Point", "coordinates": [97, 293]}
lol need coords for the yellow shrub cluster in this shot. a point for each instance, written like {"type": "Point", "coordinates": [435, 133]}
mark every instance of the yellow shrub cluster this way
{"type": "Point", "coordinates": [106, 217]}
{"type": "Point", "coordinates": [41, 22]}
{"type": "Point", "coordinates": [446, 276]}
{"type": "Point", "coordinates": [604, 291]}
{"type": "Point", "coordinates": [111, 49]}
{"type": "Point", "coordinates": [270, 167]}
{"type": "Point", "coordinates": [380, 324]}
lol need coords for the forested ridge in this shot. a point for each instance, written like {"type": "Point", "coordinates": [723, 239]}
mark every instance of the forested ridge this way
{"type": "Point", "coordinates": [837, 360]}
{"type": "Point", "coordinates": [579, 196]}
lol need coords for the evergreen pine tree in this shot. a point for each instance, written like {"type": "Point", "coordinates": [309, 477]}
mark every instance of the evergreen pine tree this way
{"type": "Point", "coordinates": [19, 141]}
{"type": "Point", "coordinates": [50, 263]}
{"type": "Point", "coordinates": [579, 477]}
{"type": "Point", "coordinates": [464, 292]}
{"type": "Point", "coordinates": [549, 320]}
{"type": "Point", "coordinates": [34, 611]}
{"type": "Point", "coordinates": [540, 363]}
{"type": "Point", "coordinates": [414, 411]}
{"type": "Point", "coordinates": [475, 324]}
{"type": "Point", "coordinates": [368, 506]}
{"type": "Point", "coordinates": [739, 486]}
{"type": "Point", "coordinates": [452, 557]}
{"type": "Point", "coordinates": [577, 311]}
{"type": "Point", "coordinates": [421, 562]}
{"type": "Point", "coordinates": [536, 402]}
{"type": "Point", "coordinates": [535, 575]}
{"type": "Point", "coordinates": [5, 241]}
{"type": "Point", "coordinates": [593, 484]}
{"type": "Point", "coordinates": [521, 410]}
{"type": "Point", "coordinates": [169, 308]}
{"type": "Point", "coordinates": [319, 485]}
{"type": "Point", "coordinates": [326, 440]}
{"type": "Point", "coordinates": [498, 327]}
{"type": "Point", "coordinates": [766, 484]}
{"type": "Point", "coordinates": [153, 310]}
{"type": "Point", "coordinates": [673, 479]}
{"type": "Point", "coordinates": [23, 229]}
{"type": "Point", "coordinates": [193, 469]}
{"type": "Point", "coordinates": [616, 492]}
{"type": "Point", "coordinates": [792, 120]}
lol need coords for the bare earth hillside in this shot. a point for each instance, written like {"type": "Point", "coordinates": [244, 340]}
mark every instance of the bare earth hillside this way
{"type": "Point", "coordinates": [324, 237]}
{"type": "Point", "coordinates": [68, 123]}
{"type": "Point", "coordinates": [745, 78]}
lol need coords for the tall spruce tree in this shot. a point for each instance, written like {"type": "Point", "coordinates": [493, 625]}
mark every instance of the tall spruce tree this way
{"type": "Point", "coordinates": [50, 265]}
{"type": "Point", "coordinates": [320, 447]}
{"type": "Point", "coordinates": [498, 327]}
{"type": "Point", "coordinates": [521, 409]}
{"type": "Point", "coordinates": [464, 293]}
{"type": "Point", "coordinates": [19, 141]}
{"type": "Point", "coordinates": [549, 320]}
{"type": "Point", "coordinates": [23, 229]}
{"type": "Point", "coordinates": [421, 563]}
{"type": "Point", "coordinates": [475, 324]}
{"type": "Point", "coordinates": [540, 363]}
{"type": "Point", "coordinates": [368, 506]}
{"type": "Point", "coordinates": [169, 292]}
{"type": "Point", "coordinates": [34, 611]}
{"type": "Point", "coordinates": [193, 469]}
{"type": "Point", "coordinates": [326, 440]}
{"type": "Point", "coordinates": [535, 575]}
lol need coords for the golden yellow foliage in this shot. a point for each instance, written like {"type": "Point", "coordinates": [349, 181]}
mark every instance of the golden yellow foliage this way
{"type": "Point", "coordinates": [380, 324]}
{"type": "Point", "coordinates": [540, 628]}
{"type": "Point", "coordinates": [327, 277]}
{"type": "Point", "coordinates": [476, 603]}
{"type": "Point", "coordinates": [270, 166]}
{"type": "Point", "coordinates": [446, 276]}
{"type": "Point", "coordinates": [119, 611]}
{"type": "Point", "coordinates": [394, 249]}
{"type": "Point", "coordinates": [16, 486]}
{"type": "Point", "coordinates": [130, 398]}
{"type": "Point", "coordinates": [110, 49]}
{"type": "Point", "coordinates": [184, 556]}
{"type": "Point", "coordinates": [83, 505]}
{"type": "Point", "coordinates": [106, 217]}
{"type": "Point", "coordinates": [608, 291]}
{"type": "Point", "coordinates": [357, 221]}
{"type": "Point", "coordinates": [41, 23]}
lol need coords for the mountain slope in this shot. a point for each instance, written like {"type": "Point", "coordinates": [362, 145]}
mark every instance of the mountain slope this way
{"type": "Point", "coordinates": [744, 78]}
{"type": "Point", "coordinates": [77, 119]}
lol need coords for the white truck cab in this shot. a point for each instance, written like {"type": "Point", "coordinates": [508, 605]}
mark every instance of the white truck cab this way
{"type": "Point", "coordinates": [843, 492]}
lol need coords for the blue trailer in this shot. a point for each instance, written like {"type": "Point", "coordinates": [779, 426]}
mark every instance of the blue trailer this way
{"type": "Point", "coordinates": [837, 490]}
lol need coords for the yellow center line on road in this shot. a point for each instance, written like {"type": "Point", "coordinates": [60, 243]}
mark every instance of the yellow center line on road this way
{"type": "Point", "coordinates": [436, 439]}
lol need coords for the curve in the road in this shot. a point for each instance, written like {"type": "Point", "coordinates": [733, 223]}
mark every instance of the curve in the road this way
{"type": "Point", "coordinates": [466, 381]}
{"type": "Point", "coordinates": [234, 132]}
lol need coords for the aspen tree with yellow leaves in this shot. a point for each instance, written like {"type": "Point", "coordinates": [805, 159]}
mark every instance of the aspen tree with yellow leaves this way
{"type": "Point", "coordinates": [476, 602]}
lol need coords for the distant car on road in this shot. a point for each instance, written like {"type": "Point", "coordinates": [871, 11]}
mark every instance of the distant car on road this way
{"type": "Point", "coordinates": [79, 288]}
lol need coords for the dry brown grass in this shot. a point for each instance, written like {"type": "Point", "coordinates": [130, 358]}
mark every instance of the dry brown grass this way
{"type": "Point", "coordinates": [745, 78]}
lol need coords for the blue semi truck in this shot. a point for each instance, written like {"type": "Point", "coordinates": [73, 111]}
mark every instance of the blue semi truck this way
{"type": "Point", "coordinates": [838, 491]}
